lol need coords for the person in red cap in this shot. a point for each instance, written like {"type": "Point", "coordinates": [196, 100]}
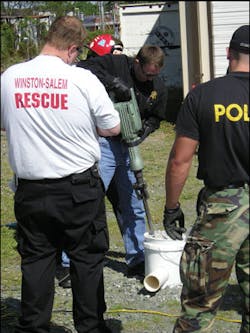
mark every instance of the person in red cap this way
{"type": "Point", "coordinates": [118, 74]}
{"type": "Point", "coordinates": [215, 118]}
{"type": "Point", "coordinates": [105, 44]}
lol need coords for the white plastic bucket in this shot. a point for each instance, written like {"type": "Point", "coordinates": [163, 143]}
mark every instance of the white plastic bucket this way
{"type": "Point", "coordinates": [162, 260]}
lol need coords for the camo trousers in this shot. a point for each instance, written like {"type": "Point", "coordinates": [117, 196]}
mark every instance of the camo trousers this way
{"type": "Point", "coordinates": [218, 240]}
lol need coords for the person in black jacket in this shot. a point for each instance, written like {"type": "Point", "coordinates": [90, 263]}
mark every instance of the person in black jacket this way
{"type": "Point", "coordinates": [119, 73]}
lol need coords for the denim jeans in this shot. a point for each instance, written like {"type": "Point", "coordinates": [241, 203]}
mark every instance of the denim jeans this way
{"type": "Point", "coordinates": [65, 260]}
{"type": "Point", "coordinates": [129, 210]}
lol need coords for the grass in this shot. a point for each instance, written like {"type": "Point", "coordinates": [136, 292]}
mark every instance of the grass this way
{"type": "Point", "coordinates": [155, 151]}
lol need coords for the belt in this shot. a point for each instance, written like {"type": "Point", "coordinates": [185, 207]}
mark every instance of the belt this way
{"type": "Point", "coordinates": [115, 138]}
{"type": "Point", "coordinates": [75, 178]}
{"type": "Point", "coordinates": [235, 185]}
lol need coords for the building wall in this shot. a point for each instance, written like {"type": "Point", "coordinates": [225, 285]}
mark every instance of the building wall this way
{"type": "Point", "coordinates": [193, 34]}
{"type": "Point", "coordinates": [154, 24]}
{"type": "Point", "coordinates": [226, 17]}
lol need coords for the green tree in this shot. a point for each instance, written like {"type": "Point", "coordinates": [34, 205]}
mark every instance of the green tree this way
{"type": "Point", "coordinates": [11, 7]}
{"type": "Point", "coordinates": [7, 43]}
{"type": "Point", "coordinates": [64, 7]}
{"type": "Point", "coordinates": [17, 47]}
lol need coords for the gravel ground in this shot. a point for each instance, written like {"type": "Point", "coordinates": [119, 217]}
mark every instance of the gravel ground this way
{"type": "Point", "coordinates": [130, 307]}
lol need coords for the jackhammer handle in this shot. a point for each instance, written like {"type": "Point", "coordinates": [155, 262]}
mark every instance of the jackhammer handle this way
{"type": "Point", "coordinates": [149, 219]}
{"type": "Point", "coordinates": [141, 191]}
{"type": "Point", "coordinates": [141, 138]}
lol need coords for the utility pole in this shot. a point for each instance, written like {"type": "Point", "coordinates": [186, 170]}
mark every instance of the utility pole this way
{"type": "Point", "coordinates": [101, 13]}
{"type": "Point", "coordinates": [116, 20]}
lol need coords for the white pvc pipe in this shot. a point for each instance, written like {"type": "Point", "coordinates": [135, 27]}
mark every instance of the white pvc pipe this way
{"type": "Point", "coordinates": [156, 280]}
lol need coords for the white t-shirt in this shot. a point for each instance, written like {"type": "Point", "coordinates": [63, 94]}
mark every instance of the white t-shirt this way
{"type": "Point", "coordinates": [50, 111]}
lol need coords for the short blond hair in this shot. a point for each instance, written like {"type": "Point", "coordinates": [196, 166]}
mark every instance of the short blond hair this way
{"type": "Point", "coordinates": [66, 31]}
{"type": "Point", "coordinates": [151, 54]}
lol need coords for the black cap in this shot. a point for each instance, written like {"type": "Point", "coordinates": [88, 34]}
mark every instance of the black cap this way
{"type": "Point", "coordinates": [240, 40]}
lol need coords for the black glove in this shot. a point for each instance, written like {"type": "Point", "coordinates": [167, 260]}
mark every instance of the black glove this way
{"type": "Point", "coordinates": [170, 219]}
{"type": "Point", "coordinates": [121, 91]}
{"type": "Point", "coordinates": [149, 126]}
{"type": "Point", "coordinates": [152, 123]}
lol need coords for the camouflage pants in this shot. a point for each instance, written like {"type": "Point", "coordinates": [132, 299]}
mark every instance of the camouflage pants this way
{"type": "Point", "coordinates": [219, 238]}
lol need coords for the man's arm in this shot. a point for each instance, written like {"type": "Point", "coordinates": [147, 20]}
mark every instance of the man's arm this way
{"type": "Point", "coordinates": [109, 132]}
{"type": "Point", "coordinates": [177, 171]}
{"type": "Point", "coordinates": [178, 167]}
{"type": "Point", "coordinates": [101, 66]}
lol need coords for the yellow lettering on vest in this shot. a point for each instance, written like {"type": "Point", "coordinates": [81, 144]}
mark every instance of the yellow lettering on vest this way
{"type": "Point", "coordinates": [230, 108]}
{"type": "Point", "coordinates": [219, 110]}
{"type": "Point", "coordinates": [246, 116]}
{"type": "Point", "coordinates": [234, 112]}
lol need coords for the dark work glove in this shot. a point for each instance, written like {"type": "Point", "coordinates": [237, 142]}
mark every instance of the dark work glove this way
{"type": "Point", "coordinates": [174, 222]}
{"type": "Point", "coordinates": [121, 91]}
{"type": "Point", "coordinates": [149, 126]}
{"type": "Point", "coordinates": [152, 123]}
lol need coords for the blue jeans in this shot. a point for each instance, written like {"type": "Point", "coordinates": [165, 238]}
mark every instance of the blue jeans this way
{"type": "Point", "coordinates": [65, 260]}
{"type": "Point", "coordinates": [129, 210]}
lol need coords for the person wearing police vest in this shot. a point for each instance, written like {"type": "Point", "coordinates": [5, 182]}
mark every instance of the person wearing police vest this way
{"type": "Point", "coordinates": [118, 74]}
{"type": "Point", "coordinates": [215, 118]}
{"type": "Point", "coordinates": [53, 114]}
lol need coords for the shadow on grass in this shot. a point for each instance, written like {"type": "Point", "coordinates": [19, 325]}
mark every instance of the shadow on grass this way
{"type": "Point", "coordinates": [115, 254]}
{"type": "Point", "coordinates": [233, 299]}
{"type": "Point", "coordinates": [10, 310]}
{"type": "Point", "coordinates": [111, 261]}
{"type": "Point", "coordinates": [119, 266]}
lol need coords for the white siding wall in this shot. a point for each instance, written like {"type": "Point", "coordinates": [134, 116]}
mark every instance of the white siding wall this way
{"type": "Point", "coordinates": [155, 24]}
{"type": "Point", "coordinates": [227, 16]}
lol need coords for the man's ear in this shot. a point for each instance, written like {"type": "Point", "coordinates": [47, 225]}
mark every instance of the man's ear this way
{"type": "Point", "coordinates": [228, 53]}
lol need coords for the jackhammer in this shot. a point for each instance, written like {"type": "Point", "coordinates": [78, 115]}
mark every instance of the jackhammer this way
{"type": "Point", "coordinates": [131, 125]}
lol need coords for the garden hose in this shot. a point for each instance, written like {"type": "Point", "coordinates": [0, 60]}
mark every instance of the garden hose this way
{"type": "Point", "coordinates": [166, 314]}
{"type": "Point", "coordinates": [5, 314]}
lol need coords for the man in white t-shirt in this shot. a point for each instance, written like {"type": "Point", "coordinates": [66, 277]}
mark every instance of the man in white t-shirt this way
{"type": "Point", "coordinates": [53, 114]}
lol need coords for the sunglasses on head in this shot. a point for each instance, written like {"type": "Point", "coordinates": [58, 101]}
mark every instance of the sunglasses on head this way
{"type": "Point", "coordinates": [118, 48]}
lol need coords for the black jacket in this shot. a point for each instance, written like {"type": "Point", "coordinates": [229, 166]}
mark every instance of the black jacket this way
{"type": "Point", "coordinates": [151, 95]}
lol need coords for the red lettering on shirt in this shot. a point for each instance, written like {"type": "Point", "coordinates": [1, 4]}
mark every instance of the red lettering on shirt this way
{"type": "Point", "coordinates": [18, 100]}
{"type": "Point", "coordinates": [40, 82]}
{"type": "Point", "coordinates": [44, 100]}
{"type": "Point", "coordinates": [35, 99]}
{"type": "Point", "coordinates": [64, 101]}
{"type": "Point", "coordinates": [27, 100]}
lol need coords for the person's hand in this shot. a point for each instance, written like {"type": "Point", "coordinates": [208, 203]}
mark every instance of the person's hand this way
{"type": "Point", "coordinates": [174, 223]}
{"type": "Point", "coordinates": [121, 90]}
{"type": "Point", "coordinates": [151, 124]}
